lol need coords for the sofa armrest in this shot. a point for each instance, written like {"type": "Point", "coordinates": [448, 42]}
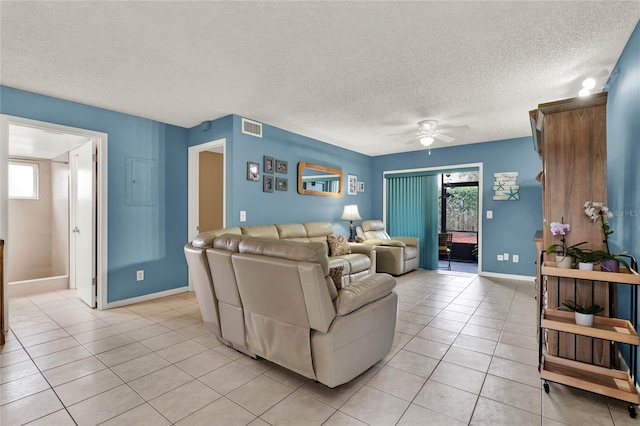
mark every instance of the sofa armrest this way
{"type": "Point", "coordinates": [393, 243]}
{"type": "Point", "coordinates": [410, 241]}
{"type": "Point", "coordinates": [364, 291]}
{"type": "Point", "coordinates": [362, 248]}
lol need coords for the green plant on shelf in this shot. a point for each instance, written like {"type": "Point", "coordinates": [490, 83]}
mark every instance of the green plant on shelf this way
{"type": "Point", "coordinates": [591, 310]}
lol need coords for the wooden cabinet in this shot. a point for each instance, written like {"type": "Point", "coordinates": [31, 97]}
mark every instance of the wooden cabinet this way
{"type": "Point", "coordinates": [584, 375]}
{"type": "Point", "coordinates": [570, 136]}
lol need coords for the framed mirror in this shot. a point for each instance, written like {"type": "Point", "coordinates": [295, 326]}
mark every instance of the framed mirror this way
{"type": "Point", "coordinates": [319, 180]}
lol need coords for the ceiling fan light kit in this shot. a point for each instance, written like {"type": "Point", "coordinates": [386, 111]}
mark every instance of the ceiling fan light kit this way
{"type": "Point", "coordinates": [428, 132]}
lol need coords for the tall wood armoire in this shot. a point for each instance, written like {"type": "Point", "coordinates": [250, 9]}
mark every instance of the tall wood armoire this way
{"type": "Point", "coordinates": [570, 136]}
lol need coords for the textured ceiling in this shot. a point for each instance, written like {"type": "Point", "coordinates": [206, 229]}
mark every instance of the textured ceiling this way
{"type": "Point", "coordinates": [347, 73]}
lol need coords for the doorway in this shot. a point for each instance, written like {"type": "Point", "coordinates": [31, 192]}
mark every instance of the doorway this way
{"type": "Point", "coordinates": [32, 139]}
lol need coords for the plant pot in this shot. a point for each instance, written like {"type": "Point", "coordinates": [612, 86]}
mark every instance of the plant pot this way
{"type": "Point", "coordinates": [610, 265]}
{"type": "Point", "coordinates": [584, 319]}
{"type": "Point", "coordinates": [564, 261]}
{"type": "Point", "coordinates": [585, 266]}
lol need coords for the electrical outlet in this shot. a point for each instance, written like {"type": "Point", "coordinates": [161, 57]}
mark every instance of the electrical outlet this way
{"type": "Point", "coordinates": [516, 258]}
{"type": "Point", "coordinates": [500, 258]}
{"type": "Point", "coordinates": [243, 216]}
{"type": "Point", "coordinates": [506, 256]}
{"type": "Point", "coordinates": [140, 275]}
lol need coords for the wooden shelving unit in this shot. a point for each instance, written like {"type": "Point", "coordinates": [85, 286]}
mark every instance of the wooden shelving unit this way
{"type": "Point", "coordinates": [604, 381]}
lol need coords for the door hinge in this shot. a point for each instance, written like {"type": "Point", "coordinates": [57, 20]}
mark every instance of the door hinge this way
{"type": "Point", "coordinates": [95, 158]}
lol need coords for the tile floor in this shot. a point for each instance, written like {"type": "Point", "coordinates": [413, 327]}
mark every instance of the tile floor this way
{"type": "Point", "coordinates": [464, 353]}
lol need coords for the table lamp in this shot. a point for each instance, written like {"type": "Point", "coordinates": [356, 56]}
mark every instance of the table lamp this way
{"type": "Point", "coordinates": [351, 213]}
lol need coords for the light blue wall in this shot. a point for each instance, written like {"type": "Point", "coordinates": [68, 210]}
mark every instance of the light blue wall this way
{"type": "Point", "coordinates": [148, 237]}
{"type": "Point", "coordinates": [280, 206]}
{"type": "Point", "coordinates": [514, 222]}
{"type": "Point", "coordinates": [623, 158]}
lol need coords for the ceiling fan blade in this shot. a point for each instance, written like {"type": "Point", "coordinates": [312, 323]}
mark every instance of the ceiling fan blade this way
{"type": "Point", "coordinates": [444, 138]}
{"type": "Point", "coordinates": [411, 141]}
{"type": "Point", "coordinates": [451, 129]}
{"type": "Point", "coordinates": [402, 134]}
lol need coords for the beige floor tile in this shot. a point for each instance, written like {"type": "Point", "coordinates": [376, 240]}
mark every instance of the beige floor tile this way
{"type": "Point", "coordinates": [227, 351]}
{"type": "Point", "coordinates": [400, 339]}
{"type": "Point", "coordinates": [222, 412]}
{"type": "Point", "coordinates": [298, 409]}
{"type": "Point", "coordinates": [53, 346]}
{"type": "Point", "coordinates": [438, 335]}
{"type": "Point", "coordinates": [260, 365]}
{"type": "Point", "coordinates": [447, 400]}
{"type": "Point", "coordinates": [22, 387]}
{"type": "Point", "coordinates": [105, 406]}
{"type": "Point", "coordinates": [185, 400]}
{"type": "Point", "coordinates": [164, 340]}
{"type": "Point", "coordinates": [409, 328]}
{"type": "Point", "coordinates": [288, 377]}
{"type": "Point", "coordinates": [96, 334]}
{"type": "Point", "coordinates": [415, 318]}
{"type": "Point", "coordinates": [446, 324]}
{"type": "Point", "coordinates": [340, 419]}
{"type": "Point", "coordinates": [453, 316]}
{"type": "Point", "coordinates": [573, 411]}
{"type": "Point", "coordinates": [30, 408]}
{"type": "Point", "coordinates": [14, 357]}
{"type": "Point", "coordinates": [109, 343]}
{"type": "Point", "coordinates": [416, 415]}
{"type": "Point", "coordinates": [59, 418]}
{"type": "Point", "coordinates": [193, 330]}
{"type": "Point", "coordinates": [486, 322]}
{"type": "Point", "coordinates": [260, 394]}
{"type": "Point", "coordinates": [139, 367]}
{"type": "Point", "coordinates": [413, 363]}
{"type": "Point", "coordinates": [397, 383]}
{"type": "Point", "coordinates": [74, 370]}
{"type": "Point", "coordinates": [181, 351]}
{"type": "Point", "coordinates": [17, 371]}
{"type": "Point", "coordinates": [526, 330]}
{"type": "Point", "coordinates": [334, 397]}
{"type": "Point", "coordinates": [147, 332]}
{"type": "Point", "coordinates": [491, 413]}
{"type": "Point", "coordinates": [520, 340]}
{"type": "Point", "coordinates": [513, 393]}
{"type": "Point", "coordinates": [142, 415]}
{"type": "Point", "coordinates": [123, 354]}
{"type": "Point", "coordinates": [460, 377]}
{"type": "Point", "coordinates": [375, 407]}
{"type": "Point", "coordinates": [203, 363]}
{"type": "Point", "coordinates": [516, 353]}
{"type": "Point", "coordinates": [87, 386]}
{"type": "Point", "coordinates": [161, 381]}
{"type": "Point", "coordinates": [179, 322]}
{"type": "Point", "coordinates": [426, 347]}
{"type": "Point", "coordinates": [78, 329]}
{"type": "Point", "coordinates": [61, 358]}
{"type": "Point", "coordinates": [48, 336]}
{"type": "Point", "coordinates": [228, 377]}
{"type": "Point", "coordinates": [136, 324]}
{"type": "Point", "coordinates": [515, 371]}
{"type": "Point", "coordinates": [475, 344]}
{"type": "Point", "coordinates": [466, 358]}
{"type": "Point", "coordinates": [482, 332]}
{"type": "Point", "coordinates": [208, 340]}
{"type": "Point", "coordinates": [425, 310]}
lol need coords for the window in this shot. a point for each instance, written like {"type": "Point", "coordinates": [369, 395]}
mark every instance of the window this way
{"type": "Point", "coordinates": [23, 180]}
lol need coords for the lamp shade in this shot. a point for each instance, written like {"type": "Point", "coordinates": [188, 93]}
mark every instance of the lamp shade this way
{"type": "Point", "coordinates": [350, 212]}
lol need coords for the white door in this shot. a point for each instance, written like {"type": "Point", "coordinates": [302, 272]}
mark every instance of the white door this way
{"type": "Point", "coordinates": [83, 226]}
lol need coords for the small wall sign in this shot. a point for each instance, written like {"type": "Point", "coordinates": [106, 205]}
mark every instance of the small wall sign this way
{"type": "Point", "coordinates": [504, 186]}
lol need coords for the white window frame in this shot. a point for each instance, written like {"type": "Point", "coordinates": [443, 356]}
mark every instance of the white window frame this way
{"type": "Point", "coordinates": [35, 167]}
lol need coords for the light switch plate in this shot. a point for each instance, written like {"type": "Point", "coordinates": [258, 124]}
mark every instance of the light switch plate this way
{"type": "Point", "coordinates": [489, 214]}
{"type": "Point", "coordinates": [500, 258]}
{"type": "Point", "coordinates": [140, 275]}
{"type": "Point", "coordinates": [515, 258]}
{"type": "Point", "coordinates": [243, 216]}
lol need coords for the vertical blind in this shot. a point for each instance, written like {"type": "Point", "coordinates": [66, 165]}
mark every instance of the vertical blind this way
{"type": "Point", "coordinates": [412, 211]}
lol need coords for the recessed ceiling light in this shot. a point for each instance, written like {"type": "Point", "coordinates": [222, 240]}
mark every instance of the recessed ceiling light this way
{"type": "Point", "coordinates": [584, 92]}
{"type": "Point", "coordinates": [589, 83]}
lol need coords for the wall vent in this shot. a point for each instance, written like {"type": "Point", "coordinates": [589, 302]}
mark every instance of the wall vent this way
{"type": "Point", "coordinates": [252, 128]}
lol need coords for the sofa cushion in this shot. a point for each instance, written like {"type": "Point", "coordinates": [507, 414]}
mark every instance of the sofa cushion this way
{"type": "Point", "coordinates": [318, 229]}
{"type": "Point", "coordinates": [291, 231]}
{"type": "Point", "coordinates": [292, 250]}
{"type": "Point", "coordinates": [205, 239]}
{"type": "Point", "coordinates": [336, 276]}
{"type": "Point", "coordinates": [357, 262]}
{"type": "Point", "coordinates": [262, 231]}
{"type": "Point", "coordinates": [338, 245]}
{"type": "Point", "coordinates": [229, 242]}
{"type": "Point", "coordinates": [362, 292]}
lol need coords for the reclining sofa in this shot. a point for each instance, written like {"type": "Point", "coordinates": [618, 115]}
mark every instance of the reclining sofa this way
{"type": "Point", "coordinates": [394, 255]}
{"type": "Point", "coordinates": [275, 299]}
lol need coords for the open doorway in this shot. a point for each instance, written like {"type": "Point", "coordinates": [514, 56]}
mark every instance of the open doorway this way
{"type": "Point", "coordinates": [458, 217]}
{"type": "Point", "coordinates": [51, 149]}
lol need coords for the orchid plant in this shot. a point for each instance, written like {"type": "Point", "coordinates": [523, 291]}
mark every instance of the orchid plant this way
{"type": "Point", "coordinates": [559, 228]}
{"type": "Point", "coordinates": [597, 210]}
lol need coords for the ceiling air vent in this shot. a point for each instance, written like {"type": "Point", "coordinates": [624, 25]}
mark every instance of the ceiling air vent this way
{"type": "Point", "coordinates": [252, 128]}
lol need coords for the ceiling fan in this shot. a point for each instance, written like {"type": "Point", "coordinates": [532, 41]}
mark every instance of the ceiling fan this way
{"type": "Point", "coordinates": [428, 132]}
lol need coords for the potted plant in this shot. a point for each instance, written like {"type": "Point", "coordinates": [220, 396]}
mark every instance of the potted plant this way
{"type": "Point", "coordinates": [565, 260]}
{"type": "Point", "coordinates": [584, 316]}
{"type": "Point", "coordinates": [609, 262]}
{"type": "Point", "coordinates": [586, 258]}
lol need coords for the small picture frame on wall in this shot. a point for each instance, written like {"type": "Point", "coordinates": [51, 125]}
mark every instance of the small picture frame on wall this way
{"type": "Point", "coordinates": [282, 184]}
{"type": "Point", "coordinates": [282, 166]}
{"type": "Point", "coordinates": [360, 186]}
{"type": "Point", "coordinates": [253, 171]}
{"type": "Point", "coordinates": [267, 167]}
{"type": "Point", "coordinates": [352, 184]}
{"type": "Point", "coordinates": [267, 183]}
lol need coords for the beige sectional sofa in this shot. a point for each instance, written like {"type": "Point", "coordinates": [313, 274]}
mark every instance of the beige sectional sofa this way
{"type": "Point", "coordinates": [274, 299]}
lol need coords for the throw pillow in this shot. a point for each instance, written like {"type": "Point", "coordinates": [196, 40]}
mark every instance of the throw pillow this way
{"type": "Point", "coordinates": [338, 245]}
{"type": "Point", "coordinates": [336, 276]}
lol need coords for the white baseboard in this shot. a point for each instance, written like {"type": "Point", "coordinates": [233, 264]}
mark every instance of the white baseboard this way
{"type": "Point", "coordinates": [146, 297]}
{"type": "Point", "coordinates": [507, 276]}
{"type": "Point", "coordinates": [38, 285]}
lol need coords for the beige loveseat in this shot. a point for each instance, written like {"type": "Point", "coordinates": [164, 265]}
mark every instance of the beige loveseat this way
{"type": "Point", "coordinates": [274, 299]}
{"type": "Point", "coordinates": [394, 255]}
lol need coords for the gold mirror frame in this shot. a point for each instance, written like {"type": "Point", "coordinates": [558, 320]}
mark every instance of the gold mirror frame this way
{"type": "Point", "coordinates": [301, 190]}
